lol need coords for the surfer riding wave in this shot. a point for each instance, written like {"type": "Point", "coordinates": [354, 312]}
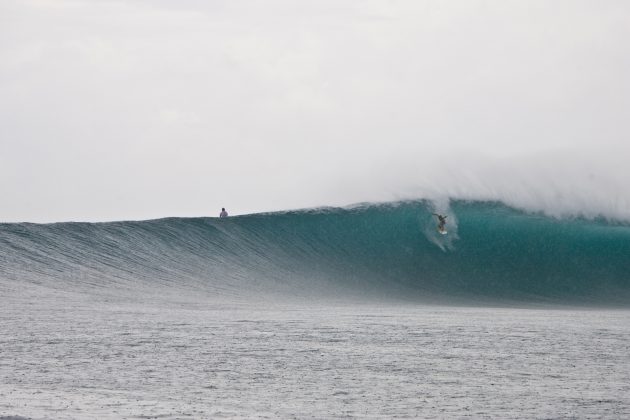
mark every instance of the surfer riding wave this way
{"type": "Point", "coordinates": [442, 223]}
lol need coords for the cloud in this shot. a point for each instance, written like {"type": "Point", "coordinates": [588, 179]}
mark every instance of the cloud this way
{"type": "Point", "coordinates": [114, 109]}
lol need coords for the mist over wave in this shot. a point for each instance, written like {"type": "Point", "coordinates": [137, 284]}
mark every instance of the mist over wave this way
{"type": "Point", "coordinates": [561, 183]}
{"type": "Point", "coordinates": [493, 253]}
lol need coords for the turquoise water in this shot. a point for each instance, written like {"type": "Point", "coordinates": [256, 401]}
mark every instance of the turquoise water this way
{"type": "Point", "coordinates": [492, 253]}
{"type": "Point", "coordinates": [317, 314]}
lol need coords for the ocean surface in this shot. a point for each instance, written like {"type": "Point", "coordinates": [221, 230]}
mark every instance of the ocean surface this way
{"type": "Point", "coordinates": [326, 313]}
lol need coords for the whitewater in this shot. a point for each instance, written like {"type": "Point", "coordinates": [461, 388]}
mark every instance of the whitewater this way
{"type": "Point", "coordinates": [363, 311]}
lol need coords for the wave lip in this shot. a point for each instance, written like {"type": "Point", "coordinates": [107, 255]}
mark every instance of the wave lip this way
{"type": "Point", "coordinates": [493, 253]}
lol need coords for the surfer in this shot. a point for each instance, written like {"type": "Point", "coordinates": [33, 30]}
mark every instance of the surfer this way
{"type": "Point", "coordinates": [442, 221]}
{"type": "Point", "coordinates": [223, 213]}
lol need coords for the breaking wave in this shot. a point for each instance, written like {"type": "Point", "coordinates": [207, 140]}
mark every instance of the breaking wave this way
{"type": "Point", "coordinates": [493, 253]}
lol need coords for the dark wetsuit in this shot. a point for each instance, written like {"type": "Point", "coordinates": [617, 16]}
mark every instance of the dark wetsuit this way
{"type": "Point", "coordinates": [442, 220]}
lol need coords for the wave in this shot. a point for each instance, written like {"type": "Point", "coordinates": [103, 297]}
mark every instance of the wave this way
{"type": "Point", "coordinates": [493, 253]}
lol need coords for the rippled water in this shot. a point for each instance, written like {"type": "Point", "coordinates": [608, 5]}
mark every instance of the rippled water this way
{"type": "Point", "coordinates": [66, 356]}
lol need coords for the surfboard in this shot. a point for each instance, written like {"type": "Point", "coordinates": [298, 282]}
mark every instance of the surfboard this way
{"type": "Point", "coordinates": [442, 231]}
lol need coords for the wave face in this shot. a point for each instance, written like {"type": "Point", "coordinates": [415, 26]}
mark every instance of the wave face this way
{"type": "Point", "coordinates": [492, 253]}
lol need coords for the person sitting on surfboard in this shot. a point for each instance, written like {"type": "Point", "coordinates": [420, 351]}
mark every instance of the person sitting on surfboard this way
{"type": "Point", "coordinates": [223, 213]}
{"type": "Point", "coordinates": [442, 222]}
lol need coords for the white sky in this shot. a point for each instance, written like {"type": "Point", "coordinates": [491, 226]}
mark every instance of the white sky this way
{"type": "Point", "coordinates": [141, 109]}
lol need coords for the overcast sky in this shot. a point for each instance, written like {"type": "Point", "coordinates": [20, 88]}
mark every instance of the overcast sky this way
{"type": "Point", "coordinates": [142, 109]}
